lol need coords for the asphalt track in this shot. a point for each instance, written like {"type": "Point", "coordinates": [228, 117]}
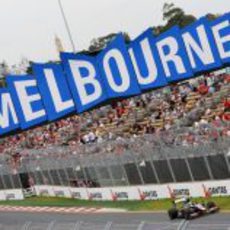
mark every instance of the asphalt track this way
{"type": "Point", "coordinates": [112, 221]}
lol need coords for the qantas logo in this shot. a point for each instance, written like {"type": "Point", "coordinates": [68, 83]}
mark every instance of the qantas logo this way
{"type": "Point", "coordinates": [147, 195]}
{"type": "Point", "coordinates": [119, 195]}
{"type": "Point", "coordinates": [215, 190]}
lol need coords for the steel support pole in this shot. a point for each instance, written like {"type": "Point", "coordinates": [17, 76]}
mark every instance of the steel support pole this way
{"type": "Point", "coordinates": [153, 167]}
{"type": "Point", "coordinates": [67, 26]}
{"type": "Point", "coordinates": [138, 169]}
{"type": "Point", "coordinates": [208, 167]}
{"type": "Point", "coordinates": [189, 169]}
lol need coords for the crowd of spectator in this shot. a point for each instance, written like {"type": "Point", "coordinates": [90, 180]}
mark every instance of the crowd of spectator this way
{"type": "Point", "coordinates": [187, 113]}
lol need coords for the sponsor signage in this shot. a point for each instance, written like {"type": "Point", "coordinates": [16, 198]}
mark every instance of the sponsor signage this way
{"type": "Point", "coordinates": [149, 192]}
{"type": "Point", "coordinates": [10, 196]}
{"type": "Point", "coordinates": [178, 192]}
{"type": "Point", "coordinates": [119, 195]}
{"type": "Point", "coordinates": [219, 190]}
{"type": "Point", "coordinates": [82, 82]}
{"type": "Point", "coordinates": [216, 190]}
{"type": "Point", "coordinates": [95, 196]}
{"type": "Point", "coordinates": [76, 195]}
{"type": "Point", "coordinates": [44, 192]}
{"type": "Point", "coordinates": [59, 193]}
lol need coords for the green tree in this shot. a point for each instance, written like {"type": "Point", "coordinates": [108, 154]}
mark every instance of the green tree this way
{"type": "Point", "coordinates": [4, 71]}
{"type": "Point", "coordinates": [212, 17]}
{"type": "Point", "coordinates": [100, 43]}
{"type": "Point", "coordinates": [174, 16]}
{"type": "Point", "coordinates": [29, 69]}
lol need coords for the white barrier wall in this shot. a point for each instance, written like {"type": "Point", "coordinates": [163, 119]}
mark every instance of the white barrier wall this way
{"type": "Point", "coordinates": [13, 194]}
{"type": "Point", "coordinates": [148, 192]}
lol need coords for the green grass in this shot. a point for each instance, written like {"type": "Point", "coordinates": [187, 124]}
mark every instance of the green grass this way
{"type": "Point", "coordinates": [223, 202]}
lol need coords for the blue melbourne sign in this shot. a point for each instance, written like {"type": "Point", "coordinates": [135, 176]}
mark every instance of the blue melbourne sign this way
{"type": "Point", "coordinates": [82, 82]}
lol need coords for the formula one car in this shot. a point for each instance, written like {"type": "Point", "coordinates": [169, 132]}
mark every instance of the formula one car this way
{"type": "Point", "coordinates": [189, 210]}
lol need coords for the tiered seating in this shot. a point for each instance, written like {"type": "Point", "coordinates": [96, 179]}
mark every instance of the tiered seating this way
{"type": "Point", "coordinates": [152, 113]}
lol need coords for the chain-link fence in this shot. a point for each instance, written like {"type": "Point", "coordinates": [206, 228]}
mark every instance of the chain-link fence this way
{"type": "Point", "coordinates": [148, 164]}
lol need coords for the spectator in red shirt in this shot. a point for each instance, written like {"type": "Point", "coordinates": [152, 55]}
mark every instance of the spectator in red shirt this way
{"type": "Point", "coordinates": [227, 103]}
{"type": "Point", "coordinates": [203, 89]}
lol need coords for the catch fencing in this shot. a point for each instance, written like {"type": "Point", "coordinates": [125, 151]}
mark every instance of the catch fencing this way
{"type": "Point", "coordinates": [147, 164]}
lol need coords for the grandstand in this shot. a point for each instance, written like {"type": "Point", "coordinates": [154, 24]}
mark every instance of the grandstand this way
{"type": "Point", "coordinates": [191, 105]}
{"type": "Point", "coordinates": [130, 141]}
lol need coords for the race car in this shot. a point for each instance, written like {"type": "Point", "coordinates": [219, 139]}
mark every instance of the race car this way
{"type": "Point", "coordinates": [184, 208]}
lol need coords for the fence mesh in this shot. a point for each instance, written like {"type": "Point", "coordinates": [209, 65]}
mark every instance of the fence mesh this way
{"type": "Point", "coordinates": [146, 163]}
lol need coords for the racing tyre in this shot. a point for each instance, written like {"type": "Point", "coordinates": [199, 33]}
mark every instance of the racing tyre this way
{"type": "Point", "coordinates": [173, 213]}
{"type": "Point", "coordinates": [211, 204]}
{"type": "Point", "coordinates": [212, 207]}
{"type": "Point", "coordinates": [187, 215]}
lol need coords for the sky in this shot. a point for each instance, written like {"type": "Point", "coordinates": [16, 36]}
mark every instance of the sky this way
{"type": "Point", "coordinates": [28, 27]}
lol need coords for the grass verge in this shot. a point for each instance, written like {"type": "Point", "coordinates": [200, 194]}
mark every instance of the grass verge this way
{"type": "Point", "coordinates": [222, 202]}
